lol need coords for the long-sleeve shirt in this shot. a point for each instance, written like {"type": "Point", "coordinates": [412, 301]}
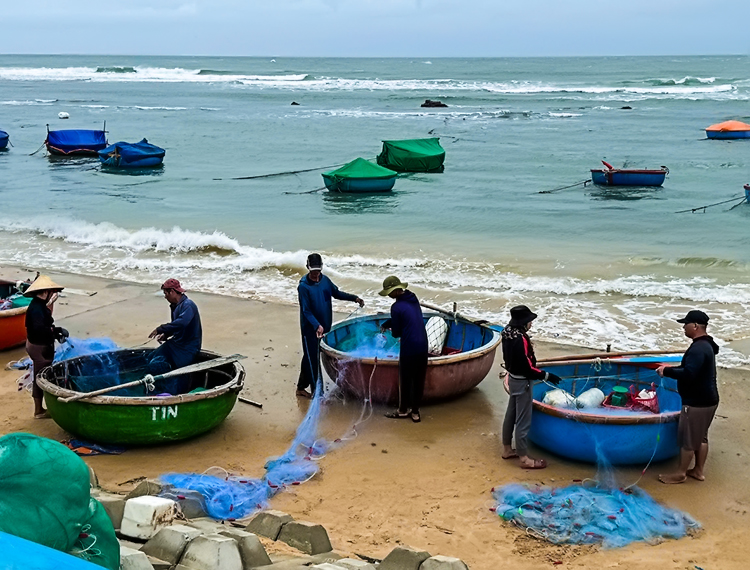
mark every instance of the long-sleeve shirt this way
{"type": "Point", "coordinates": [184, 332]}
{"type": "Point", "coordinates": [518, 354]}
{"type": "Point", "coordinates": [315, 305]}
{"type": "Point", "coordinates": [40, 326]}
{"type": "Point", "coordinates": [696, 374]}
{"type": "Point", "coordinates": [407, 323]}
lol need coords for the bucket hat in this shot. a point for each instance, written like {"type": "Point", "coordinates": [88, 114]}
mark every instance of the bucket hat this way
{"type": "Point", "coordinates": [520, 315]}
{"type": "Point", "coordinates": [694, 316]}
{"type": "Point", "coordinates": [390, 284]}
{"type": "Point", "coordinates": [172, 284]}
{"type": "Point", "coordinates": [42, 283]}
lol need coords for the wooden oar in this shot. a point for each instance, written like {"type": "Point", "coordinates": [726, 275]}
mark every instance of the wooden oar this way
{"type": "Point", "coordinates": [148, 379]}
{"type": "Point", "coordinates": [455, 314]}
{"type": "Point", "coordinates": [594, 355]}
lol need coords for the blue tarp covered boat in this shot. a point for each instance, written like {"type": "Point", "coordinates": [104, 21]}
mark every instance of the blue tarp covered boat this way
{"type": "Point", "coordinates": [132, 155]}
{"type": "Point", "coordinates": [21, 554]}
{"type": "Point", "coordinates": [619, 435]}
{"type": "Point", "coordinates": [4, 138]}
{"type": "Point", "coordinates": [611, 176]}
{"type": "Point", "coordinates": [72, 142]}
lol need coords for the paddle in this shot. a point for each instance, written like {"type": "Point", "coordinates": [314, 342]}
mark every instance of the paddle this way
{"type": "Point", "coordinates": [455, 314]}
{"type": "Point", "coordinates": [149, 379]}
{"type": "Point", "coordinates": [594, 355]}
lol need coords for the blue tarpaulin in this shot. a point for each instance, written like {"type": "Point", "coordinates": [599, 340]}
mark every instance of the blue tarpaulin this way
{"type": "Point", "coordinates": [137, 155]}
{"type": "Point", "coordinates": [75, 141]}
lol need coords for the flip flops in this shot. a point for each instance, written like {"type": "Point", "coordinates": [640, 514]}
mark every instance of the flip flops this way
{"type": "Point", "coordinates": [538, 464]}
{"type": "Point", "coordinates": [513, 455]}
{"type": "Point", "coordinates": [397, 415]}
{"type": "Point", "coordinates": [43, 416]}
{"type": "Point", "coordinates": [415, 417]}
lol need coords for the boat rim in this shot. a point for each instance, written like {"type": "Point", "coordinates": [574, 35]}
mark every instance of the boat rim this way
{"type": "Point", "coordinates": [13, 312]}
{"type": "Point", "coordinates": [431, 360]}
{"type": "Point", "coordinates": [236, 384]}
{"type": "Point", "coordinates": [631, 171]}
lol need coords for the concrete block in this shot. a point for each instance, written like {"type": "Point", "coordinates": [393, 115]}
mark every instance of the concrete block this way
{"type": "Point", "coordinates": [308, 537]}
{"type": "Point", "coordinates": [159, 564]}
{"type": "Point", "coordinates": [268, 523]}
{"type": "Point", "coordinates": [443, 563]}
{"type": "Point", "coordinates": [191, 504]}
{"type": "Point", "coordinates": [170, 542]}
{"type": "Point", "coordinates": [251, 550]}
{"type": "Point", "coordinates": [212, 552]}
{"type": "Point", "coordinates": [133, 560]}
{"type": "Point", "coordinates": [114, 505]}
{"type": "Point", "coordinates": [93, 479]}
{"type": "Point", "coordinates": [206, 524]}
{"type": "Point", "coordinates": [145, 516]}
{"type": "Point", "coordinates": [354, 564]}
{"type": "Point", "coordinates": [327, 566]}
{"type": "Point", "coordinates": [331, 557]}
{"type": "Point", "coordinates": [146, 487]}
{"type": "Point", "coordinates": [292, 564]}
{"type": "Point", "coordinates": [404, 558]}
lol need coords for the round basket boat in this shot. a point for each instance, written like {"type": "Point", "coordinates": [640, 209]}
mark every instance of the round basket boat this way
{"type": "Point", "coordinates": [12, 327]}
{"type": "Point", "coordinates": [137, 420]}
{"type": "Point", "coordinates": [469, 351]}
{"type": "Point", "coordinates": [620, 436]}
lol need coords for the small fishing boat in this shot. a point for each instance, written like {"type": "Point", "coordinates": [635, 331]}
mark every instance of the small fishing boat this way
{"type": "Point", "coordinates": [132, 155]}
{"type": "Point", "coordinates": [611, 176]}
{"type": "Point", "coordinates": [413, 155]}
{"type": "Point", "coordinates": [619, 435]}
{"type": "Point", "coordinates": [747, 192]}
{"type": "Point", "coordinates": [360, 176]}
{"type": "Point", "coordinates": [133, 419]}
{"type": "Point", "coordinates": [729, 130]}
{"type": "Point", "coordinates": [12, 315]}
{"type": "Point", "coordinates": [466, 359]}
{"type": "Point", "coordinates": [4, 139]}
{"type": "Point", "coordinates": [76, 142]}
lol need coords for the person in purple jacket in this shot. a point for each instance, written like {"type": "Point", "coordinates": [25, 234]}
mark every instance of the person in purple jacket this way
{"type": "Point", "coordinates": [407, 323]}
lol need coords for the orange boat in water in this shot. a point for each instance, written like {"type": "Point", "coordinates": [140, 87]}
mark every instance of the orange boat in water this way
{"type": "Point", "coordinates": [12, 320]}
{"type": "Point", "coordinates": [729, 130]}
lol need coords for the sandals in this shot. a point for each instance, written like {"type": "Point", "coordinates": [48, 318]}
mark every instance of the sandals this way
{"type": "Point", "coordinates": [415, 417]}
{"type": "Point", "coordinates": [538, 464]}
{"type": "Point", "coordinates": [398, 415]}
{"type": "Point", "coordinates": [303, 393]}
{"type": "Point", "coordinates": [42, 416]}
{"type": "Point", "coordinates": [513, 455]}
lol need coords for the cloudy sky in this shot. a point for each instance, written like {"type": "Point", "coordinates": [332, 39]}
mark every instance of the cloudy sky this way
{"type": "Point", "coordinates": [435, 28]}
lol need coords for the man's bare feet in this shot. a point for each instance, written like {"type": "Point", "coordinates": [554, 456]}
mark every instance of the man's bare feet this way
{"type": "Point", "coordinates": [696, 475]}
{"type": "Point", "coordinates": [673, 479]}
{"type": "Point", "coordinates": [510, 454]}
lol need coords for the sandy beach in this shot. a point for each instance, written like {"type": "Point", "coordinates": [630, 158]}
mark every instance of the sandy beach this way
{"type": "Point", "coordinates": [425, 485]}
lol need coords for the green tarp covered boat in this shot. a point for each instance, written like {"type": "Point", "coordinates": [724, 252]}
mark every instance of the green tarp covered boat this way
{"type": "Point", "coordinates": [413, 155]}
{"type": "Point", "coordinates": [137, 419]}
{"type": "Point", "coordinates": [360, 175]}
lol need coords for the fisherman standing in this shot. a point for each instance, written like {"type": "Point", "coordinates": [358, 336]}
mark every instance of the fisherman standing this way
{"type": "Point", "coordinates": [180, 339]}
{"type": "Point", "coordinates": [315, 292]}
{"type": "Point", "coordinates": [41, 334]}
{"type": "Point", "coordinates": [696, 384]}
{"type": "Point", "coordinates": [407, 323]}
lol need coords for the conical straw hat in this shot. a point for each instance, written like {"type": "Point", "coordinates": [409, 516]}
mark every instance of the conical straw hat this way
{"type": "Point", "coordinates": [42, 283]}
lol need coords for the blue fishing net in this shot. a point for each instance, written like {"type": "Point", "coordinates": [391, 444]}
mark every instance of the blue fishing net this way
{"type": "Point", "coordinates": [366, 341]}
{"type": "Point", "coordinates": [591, 515]}
{"type": "Point", "coordinates": [72, 348]}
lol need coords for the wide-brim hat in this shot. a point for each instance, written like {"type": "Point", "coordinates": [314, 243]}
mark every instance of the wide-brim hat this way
{"type": "Point", "coordinates": [390, 284]}
{"type": "Point", "coordinates": [42, 283]}
{"type": "Point", "coordinates": [521, 315]}
{"type": "Point", "coordinates": [694, 316]}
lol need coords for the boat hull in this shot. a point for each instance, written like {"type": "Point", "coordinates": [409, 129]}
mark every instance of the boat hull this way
{"type": "Point", "coordinates": [728, 135]}
{"type": "Point", "coordinates": [12, 328]}
{"type": "Point", "coordinates": [590, 435]}
{"type": "Point", "coordinates": [747, 192]}
{"type": "Point", "coordinates": [4, 138]}
{"type": "Point", "coordinates": [447, 376]}
{"type": "Point", "coordinates": [140, 421]}
{"type": "Point", "coordinates": [359, 185]}
{"type": "Point", "coordinates": [628, 177]}
{"type": "Point", "coordinates": [149, 162]}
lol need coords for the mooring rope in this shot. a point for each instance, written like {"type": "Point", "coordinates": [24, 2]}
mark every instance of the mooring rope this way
{"type": "Point", "coordinates": [282, 173]}
{"type": "Point", "coordinates": [579, 183]}
{"type": "Point", "coordinates": [738, 199]}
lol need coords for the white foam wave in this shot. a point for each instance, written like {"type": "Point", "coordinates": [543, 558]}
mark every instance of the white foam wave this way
{"type": "Point", "coordinates": [28, 102]}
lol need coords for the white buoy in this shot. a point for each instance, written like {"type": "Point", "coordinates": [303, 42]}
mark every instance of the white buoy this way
{"type": "Point", "coordinates": [63, 115]}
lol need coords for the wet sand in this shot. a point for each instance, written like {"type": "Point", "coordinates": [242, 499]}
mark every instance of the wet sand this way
{"type": "Point", "coordinates": [426, 485]}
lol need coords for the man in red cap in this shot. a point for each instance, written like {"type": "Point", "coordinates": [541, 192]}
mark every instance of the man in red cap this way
{"type": "Point", "coordinates": [181, 338]}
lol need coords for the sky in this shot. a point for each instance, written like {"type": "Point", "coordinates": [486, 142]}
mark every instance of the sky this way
{"type": "Point", "coordinates": [377, 28]}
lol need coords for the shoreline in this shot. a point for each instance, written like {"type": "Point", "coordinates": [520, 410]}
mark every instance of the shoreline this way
{"type": "Point", "coordinates": [426, 485]}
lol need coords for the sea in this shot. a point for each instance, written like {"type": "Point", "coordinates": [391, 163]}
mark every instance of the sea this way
{"type": "Point", "coordinates": [601, 266]}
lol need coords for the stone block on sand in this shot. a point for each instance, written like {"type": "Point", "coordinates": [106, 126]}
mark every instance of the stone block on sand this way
{"type": "Point", "coordinates": [251, 550]}
{"type": "Point", "coordinates": [114, 505]}
{"type": "Point", "coordinates": [212, 552]}
{"type": "Point", "coordinates": [327, 566]}
{"type": "Point", "coordinates": [268, 523]}
{"type": "Point", "coordinates": [170, 542]}
{"type": "Point", "coordinates": [159, 564]}
{"type": "Point", "coordinates": [291, 564]}
{"type": "Point", "coordinates": [145, 516]}
{"type": "Point", "coordinates": [133, 560]}
{"type": "Point", "coordinates": [354, 564]}
{"type": "Point", "coordinates": [443, 563]}
{"type": "Point", "coordinates": [307, 537]}
{"type": "Point", "coordinates": [191, 504]}
{"type": "Point", "coordinates": [404, 558]}
{"type": "Point", "coordinates": [206, 524]}
{"type": "Point", "coordinates": [146, 487]}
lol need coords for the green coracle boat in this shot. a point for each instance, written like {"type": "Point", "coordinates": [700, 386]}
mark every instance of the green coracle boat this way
{"type": "Point", "coordinates": [135, 419]}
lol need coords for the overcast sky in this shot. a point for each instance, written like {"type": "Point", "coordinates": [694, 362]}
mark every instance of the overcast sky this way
{"type": "Point", "coordinates": [423, 28]}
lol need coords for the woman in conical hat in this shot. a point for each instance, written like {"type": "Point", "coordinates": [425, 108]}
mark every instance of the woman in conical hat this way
{"type": "Point", "coordinates": [41, 333]}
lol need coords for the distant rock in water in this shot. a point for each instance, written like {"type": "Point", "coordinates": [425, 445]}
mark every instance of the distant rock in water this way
{"type": "Point", "coordinates": [431, 103]}
{"type": "Point", "coordinates": [626, 107]}
{"type": "Point", "coordinates": [295, 103]}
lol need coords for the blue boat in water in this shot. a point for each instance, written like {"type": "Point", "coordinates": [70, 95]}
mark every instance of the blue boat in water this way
{"type": "Point", "coordinates": [619, 435]}
{"type": "Point", "coordinates": [132, 155]}
{"type": "Point", "coordinates": [610, 176]}
{"type": "Point", "coordinates": [4, 139]}
{"type": "Point", "coordinates": [747, 192]}
{"type": "Point", "coordinates": [75, 142]}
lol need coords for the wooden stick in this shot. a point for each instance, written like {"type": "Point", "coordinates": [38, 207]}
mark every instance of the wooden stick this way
{"type": "Point", "coordinates": [587, 361]}
{"type": "Point", "coordinates": [251, 402]}
{"type": "Point", "coordinates": [213, 363]}
{"type": "Point", "coordinates": [609, 355]}
{"type": "Point", "coordinates": [454, 314]}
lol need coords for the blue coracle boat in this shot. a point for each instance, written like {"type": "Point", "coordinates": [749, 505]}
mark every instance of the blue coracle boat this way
{"type": "Point", "coordinates": [747, 192]}
{"type": "Point", "coordinates": [132, 155]}
{"type": "Point", "coordinates": [75, 142]}
{"type": "Point", "coordinates": [4, 138]}
{"type": "Point", "coordinates": [21, 554]}
{"type": "Point", "coordinates": [611, 176]}
{"type": "Point", "coordinates": [622, 437]}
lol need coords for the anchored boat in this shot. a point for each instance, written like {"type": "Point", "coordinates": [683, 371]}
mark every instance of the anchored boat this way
{"type": "Point", "coordinates": [13, 307]}
{"type": "Point", "coordinates": [729, 130]}
{"type": "Point", "coordinates": [360, 176]}
{"type": "Point", "coordinates": [611, 176]}
{"type": "Point", "coordinates": [468, 353]}
{"type": "Point", "coordinates": [132, 155]}
{"type": "Point", "coordinates": [132, 418]}
{"type": "Point", "coordinates": [413, 155]}
{"type": "Point", "coordinates": [747, 192]}
{"type": "Point", "coordinates": [76, 142]}
{"type": "Point", "coordinates": [4, 139]}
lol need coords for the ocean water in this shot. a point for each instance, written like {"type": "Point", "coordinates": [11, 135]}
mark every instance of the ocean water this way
{"type": "Point", "coordinates": [600, 266]}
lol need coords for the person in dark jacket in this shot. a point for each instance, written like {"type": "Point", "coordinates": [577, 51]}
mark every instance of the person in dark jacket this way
{"type": "Point", "coordinates": [696, 384]}
{"type": "Point", "coordinates": [315, 292]}
{"type": "Point", "coordinates": [180, 339]}
{"type": "Point", "coordinates": [41, 334]}
{"type": "Point", "coordinates": [520, 362]}
{"type": "Point", "coordinates": [407, 323]}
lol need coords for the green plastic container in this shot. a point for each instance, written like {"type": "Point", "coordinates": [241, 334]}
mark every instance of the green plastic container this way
{"type": "Point", "coordinates": [619, 396]}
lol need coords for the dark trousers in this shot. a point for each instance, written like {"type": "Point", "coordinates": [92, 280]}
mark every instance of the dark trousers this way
{"type": "Point", "coordinates": [412, 369]}
{"type": "Point", "coordinates": [310, 369]}
{"type": "Point", "coordinates": [518, 415]}
{"type": "Point", "coordinates": [41, 357]}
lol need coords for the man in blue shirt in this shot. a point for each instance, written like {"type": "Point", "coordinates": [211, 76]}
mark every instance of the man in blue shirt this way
{"type": "Point", "coordinates": [181, 338]}
{"type": "Point", "coordinates": [315, 292]}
